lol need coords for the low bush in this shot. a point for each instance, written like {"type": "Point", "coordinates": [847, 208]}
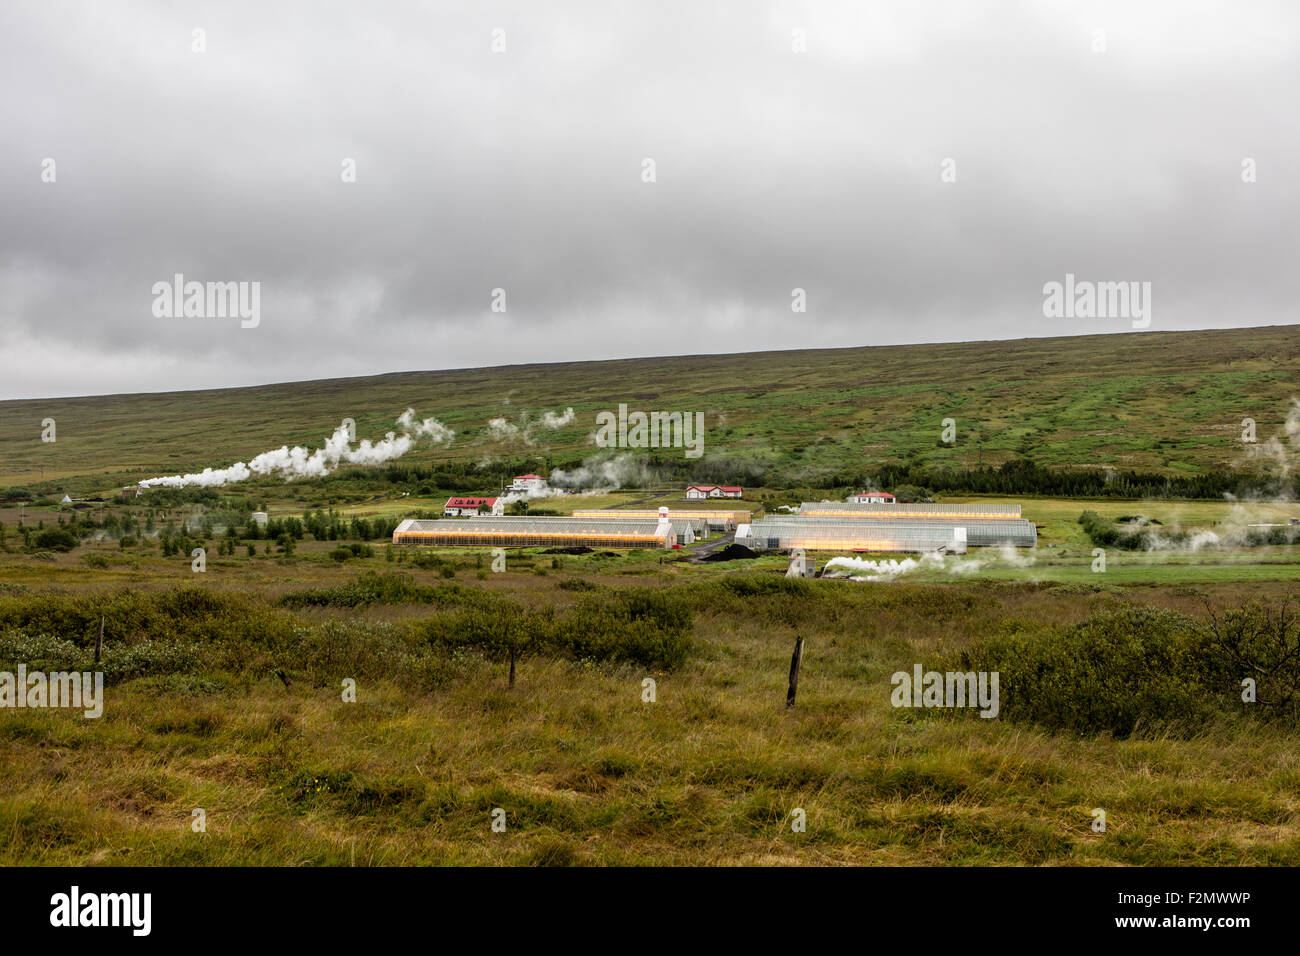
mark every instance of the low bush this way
{"type": "Point", "coordinates": [55, 539]}
{"type": "Point", "coordinates": [388, 587]}
{"type": "Point", "coordinates": [638, 626]}
{"type": "Point", "coordinates": [1135, 669]}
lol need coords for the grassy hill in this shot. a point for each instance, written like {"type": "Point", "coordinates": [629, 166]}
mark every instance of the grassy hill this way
{"type": "Point", "coordinates": [1167, 402]}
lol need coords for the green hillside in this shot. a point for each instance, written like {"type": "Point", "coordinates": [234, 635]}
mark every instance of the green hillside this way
{"type": "Point", "coordinates": [1167, 402]}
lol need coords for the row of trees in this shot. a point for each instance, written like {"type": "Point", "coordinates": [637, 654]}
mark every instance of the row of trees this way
{"type": "Point", "coordinates": [1026, 477]}
{"type": "Point", "coordinates": [1022, 476]}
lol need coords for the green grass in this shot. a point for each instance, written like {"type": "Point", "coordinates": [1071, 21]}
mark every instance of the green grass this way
{"type": "Point", "coordinates": [587, 773]}
{"type": "Point", "coordinates": [1167, 402]}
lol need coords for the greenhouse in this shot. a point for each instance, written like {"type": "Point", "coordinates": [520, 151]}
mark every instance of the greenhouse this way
{"type": "Point", "coordinates": [912, 535]}
{"type": "Point", "coordinates": [845, 509]}
{"type": "Point", "coordinates": [719, 520]}
{"type": "Point", "coordinates": [548, 532]}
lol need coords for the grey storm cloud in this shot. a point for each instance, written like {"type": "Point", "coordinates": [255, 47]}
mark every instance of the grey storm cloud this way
{"type": "Point", "coordinates": [522, 170]}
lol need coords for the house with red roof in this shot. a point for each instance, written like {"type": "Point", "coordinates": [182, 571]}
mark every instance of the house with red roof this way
{"type": "Point", "coordinates": [699, 492]}
{"type": "Point", "coordinates": [528, 484]}
{"type": "Point", "coordinates": [466, 507]}
{"type": "Point", "coordinates": [872, 498]}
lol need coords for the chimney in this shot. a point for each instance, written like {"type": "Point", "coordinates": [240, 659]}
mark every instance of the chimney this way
{"type": "Point", "coordinates": [664, 529]}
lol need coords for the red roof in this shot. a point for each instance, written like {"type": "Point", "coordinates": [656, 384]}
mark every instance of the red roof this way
{"type": "Point", "coordinates": [731, 488]}
{"type": "Point", "coordinates": [469, 502]}
{"type": "Point", "coordinates": [525, 477]}
{"type": "Point", "coordinates": [878, 494]}
{"type": "Point", "coordinates": [700, 487]}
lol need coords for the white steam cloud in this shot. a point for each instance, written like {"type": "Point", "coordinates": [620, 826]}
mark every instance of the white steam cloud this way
{"type": "Point", "coordinates": [298, 462]}
{"type": "Point", "coordinates": [595, 476]}
{"type": "Point", "coordinates": [1251, 518]}
{"type": "Point", "coordinates": [888, 569]}
{"type": "Point", "coordinates": [1283, 451]}
{"type": "Point", "coordinates": [499, 429]}
{"type": "Point", "coordinates": [603, 475]}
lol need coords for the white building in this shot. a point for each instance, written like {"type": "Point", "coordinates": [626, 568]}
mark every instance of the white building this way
{"type": "Point", "coordinates": [698, 492]}
{"type": "Point", "coordinates": [872, 498]}
{"type": "Point", "coordinates": [528, 484]}
{"type": "Point", "coordinates": [472, 507]}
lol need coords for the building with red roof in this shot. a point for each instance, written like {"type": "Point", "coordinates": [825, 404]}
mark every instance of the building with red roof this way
{"type": "Point", "coordinates": [696, 492]}
{"type": "Point", "coordinates": [467, 507]}
{"type": "Point", "coordinates": [872, 498]}
{"type": "Point", "coordinates": [528, 484]}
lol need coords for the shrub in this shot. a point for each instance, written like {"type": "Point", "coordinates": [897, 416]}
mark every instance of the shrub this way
{"type": "Point", "coordinates": [1262, 643]}
{"type": "Point", "coordinates": [188, 613]}
{"type": "Point", "coordinates": [55, 539]}
{"type": "Point", "coordinates": [637, 626]}
{"type": "Point", "coordinates": [1119, 672]}
{"type": "Point", "coordinates": [389, 587]}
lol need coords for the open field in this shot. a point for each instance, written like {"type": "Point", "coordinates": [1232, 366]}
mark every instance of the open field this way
{"type": "Point", "coordinates": [589, 773]}
{"type": "Point", "coordinates": [585, 770]}
{"type": "Point", "coordinates": [1163, 402]}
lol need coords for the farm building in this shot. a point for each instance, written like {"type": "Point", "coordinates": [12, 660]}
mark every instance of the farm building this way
{"type": "Point", "coordinates": [700, 492]}
{"type": "Point", "coordinates": [526, 532]}
{"type": "Point", "coordinates": [713, 520]}
{"type": "Point", "coordinates": [689, 526]}
{"type": "Point", "coordinates": [871, 498]}
{"type": "Point", "coordinates": [528, 484]}
{"type": "Point", "coordinates": [469, 507]}
{"type": "Point", "coordinates": [898, 534]}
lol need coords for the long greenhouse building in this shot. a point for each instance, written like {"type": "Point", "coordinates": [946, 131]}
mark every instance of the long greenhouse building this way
{"type": "Point", "coordinates": [725, 519]}
{"type": "Point", "coordinates": [885, 534]}
{"type": "Point", "coordinates": [546, 532]}
{"type": "Point", "coordinates": [987, 511]}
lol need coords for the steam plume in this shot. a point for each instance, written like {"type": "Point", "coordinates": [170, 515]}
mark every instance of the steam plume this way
{"type": "Point", "coordinates": [298, 462]}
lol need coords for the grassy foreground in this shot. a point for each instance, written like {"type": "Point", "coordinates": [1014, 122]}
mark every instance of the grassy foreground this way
{"type": "Point", "coordinates": [584, 769]}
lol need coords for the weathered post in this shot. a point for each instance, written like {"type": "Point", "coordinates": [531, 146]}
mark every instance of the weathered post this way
{"type": "Point", "coordinates": [99, 641]}
{"type": "Point", "coordinates": [795, 660]}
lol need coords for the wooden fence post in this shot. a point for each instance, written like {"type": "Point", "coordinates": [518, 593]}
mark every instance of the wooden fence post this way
{"type": "Point", "coordinates": [795, 660]}
{"type": "Point", "coordinates": [99, 641]}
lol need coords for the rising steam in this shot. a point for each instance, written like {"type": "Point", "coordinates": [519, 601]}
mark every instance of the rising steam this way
{"type": "Point", "coordinates": [1249, 516]}
{"type": "Point", "coordinates": [298, 462]}
{"type": "Point", "coordinates": [499, 429]}
{"type": "Point", "coordinates": [863, 569]}
{"type": "Point", "coordinates": [597, 474]}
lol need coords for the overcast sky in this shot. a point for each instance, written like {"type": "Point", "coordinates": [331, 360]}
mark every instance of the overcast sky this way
{"type": "Point", "coordinates": [1116, 156]}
